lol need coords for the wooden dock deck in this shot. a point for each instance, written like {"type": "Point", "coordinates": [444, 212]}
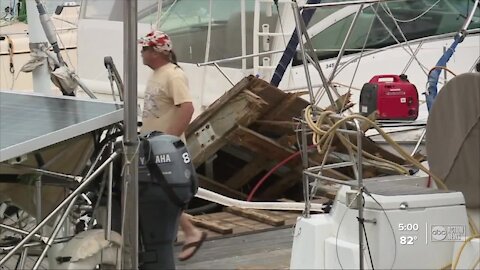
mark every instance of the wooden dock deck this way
{"type": "Point", "coordinates": [269, 249]}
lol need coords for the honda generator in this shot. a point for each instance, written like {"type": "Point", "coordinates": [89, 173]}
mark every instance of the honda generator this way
{"type": "Point", "coordinates": [392, 96]}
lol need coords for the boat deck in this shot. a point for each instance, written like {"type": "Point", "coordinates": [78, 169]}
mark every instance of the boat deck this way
{"type": "Point", "coordinates": [269, 249]}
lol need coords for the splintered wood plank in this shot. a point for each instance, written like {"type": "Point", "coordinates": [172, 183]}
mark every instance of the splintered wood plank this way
{"type": "Point", "coordinates": [238, 224]}
{"type": "Point", "coordinates": [342, 102]}
{"type": "Point", "coordinates": [211, 225]}
{"type": "Point", "coordinates": [243, 108]}
{"type": "Point", "coordinates": [289, 107]}
{"type": "Point", "coordinates": [215, 186]}
{"type": "Point", "coordinates": [272, 95]}
{"type": "Point", "coordinates": [244, 225]}
{"type": "Point", "coordinates": [276, 123]}
{"type": "Point", "coordinates": [247, 172]}
{"type": "Point", "coordinates": [257, 215]}
{"type": "Point", "coordinates": [203, 118]}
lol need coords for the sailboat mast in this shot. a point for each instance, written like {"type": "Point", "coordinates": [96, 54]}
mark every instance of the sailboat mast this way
{"type": "Point", "coordinates": [130, 234]}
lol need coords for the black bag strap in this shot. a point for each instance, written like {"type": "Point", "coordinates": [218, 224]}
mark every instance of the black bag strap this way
{"type": "Point", "coordinates": [157, 176]}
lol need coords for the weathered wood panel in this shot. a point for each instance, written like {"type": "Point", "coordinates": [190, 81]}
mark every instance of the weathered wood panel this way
{"type": "Point", "coordinates": [247, 172]}
{"type": "Point", "coordinates": [208, 138]}
{"type": "Point", "coordinates": [258, 215]}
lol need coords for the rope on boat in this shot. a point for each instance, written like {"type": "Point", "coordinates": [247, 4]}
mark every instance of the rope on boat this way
{"type": "Point", "coordinates": [325, 129]}
{"type": "Point", "coordinates": [322, 136]}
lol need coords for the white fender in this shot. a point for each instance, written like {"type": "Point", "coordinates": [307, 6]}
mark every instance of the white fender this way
{"type": "Point", "coordinates": [89, 249]}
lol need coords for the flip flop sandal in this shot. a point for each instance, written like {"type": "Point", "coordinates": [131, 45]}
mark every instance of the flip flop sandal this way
{"type": "Point", "coordinates": [196, 245]}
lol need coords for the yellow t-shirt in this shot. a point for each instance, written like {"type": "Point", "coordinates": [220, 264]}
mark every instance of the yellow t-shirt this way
{"type": "Point", "coordinates": [166, 88]}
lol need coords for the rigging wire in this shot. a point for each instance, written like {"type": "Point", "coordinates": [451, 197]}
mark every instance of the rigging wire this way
{"type": "Point", "coordinates": [411, 53]}
{"type": "Point", "coordinates": [290, 75]}
{"type": "Point", "coordinates": [360, 58]}
{"type": "Point", "coordinates": [281, 23]}
{"type": "Point", "coordinates": [366, 240]}
{"type": "Point", "coordinates": [340, 225]}
{"type": "Point", "coordinates": [389, 222]}
{"type": "Point", "coordinates": [409, 20]}
{"type": "Point", "coordinates": [368, 246]}
{"type": "Point", "coordinates": [59, 38]}
{"type": "Point", "coordinates": [407, 42]}
{"type": "Point", "coordinates": [165, 14]}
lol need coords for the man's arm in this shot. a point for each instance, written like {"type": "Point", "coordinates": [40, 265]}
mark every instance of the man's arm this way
{"type": "Point", "coordinates": [181, 119]}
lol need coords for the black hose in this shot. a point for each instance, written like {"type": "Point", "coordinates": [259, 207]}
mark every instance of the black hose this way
{"type": "Point", "coordinates": [202, 209]}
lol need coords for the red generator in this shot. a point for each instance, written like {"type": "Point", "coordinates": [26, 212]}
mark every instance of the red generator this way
{"type": "Point", "coordinates": [392, 96]}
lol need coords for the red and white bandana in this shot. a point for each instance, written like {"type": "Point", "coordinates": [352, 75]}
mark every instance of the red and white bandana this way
{"type": "Point", "coordinates": [158, 40]}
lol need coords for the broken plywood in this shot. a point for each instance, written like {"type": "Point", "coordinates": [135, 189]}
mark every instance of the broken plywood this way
{"type": "Point", "coordinates": [208, 137]}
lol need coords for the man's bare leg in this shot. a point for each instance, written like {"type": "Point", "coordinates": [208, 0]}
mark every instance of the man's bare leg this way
{"type": "Point", "coordinates": [192, 234]}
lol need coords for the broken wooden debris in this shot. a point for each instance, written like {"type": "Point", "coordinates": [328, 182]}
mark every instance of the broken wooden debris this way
{"type": "Point", "coordinates": [249, 131]}
{"type": "Point", "coordinates": [258, 215]}
{"type": "Point", "coordinates": [211, 225]}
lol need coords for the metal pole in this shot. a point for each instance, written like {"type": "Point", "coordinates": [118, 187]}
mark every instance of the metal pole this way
{"type": "Point", "coordinates": [243, 32]}
{"type": "Point", "coordinates": [130, 235]}
{"type": "Point", "coordinates": [38, 41]}
{"type": "Point", "coordinates": [342, 49]}
{"type": "Point", "coordinates": [412, 57]}
{"type": "Point", "coordinates": [360, 193]}
{"type": "Point", "coordinates": [296, 13]}
{"type": "Point", "coordinates": [346, 3]}
{"type": "Point", "coordinates": [38, 199]}
{"type": "Point", "coordinates": [76, 179]}
{"type": "Point", "coordinates": [224, 74]}
{"type": "Point", "coordinates": [444, 71]}
{"type": "Point", "coordinates": [49, 30]}
{"type": "Point", "coordinates": [306, 193]}
{"type": "Point", "coordinates": [470, 16]}
{"type": "Point", "coordinates": [59, 207]}
{"type": "Point", "coordinates": [23, 258]}
{"type": "Point", "coordinates": [57, 228]}
{"type": "Point", "coordinates": [231, 59]}
{"type": "Point", "coordinates": [108, 227]}
{"type": "Point", "coordinates": [314, 61]}
{"type": "Point", "coordinates": [424, 132]}
{"type": "Point", "coordinates": [20, 231]}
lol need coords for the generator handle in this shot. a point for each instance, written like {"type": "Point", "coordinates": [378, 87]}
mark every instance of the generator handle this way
{"type": "Point", "coordinates": [377, 78]}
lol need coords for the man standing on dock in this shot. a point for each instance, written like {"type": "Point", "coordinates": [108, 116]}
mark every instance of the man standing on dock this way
{"type": "Point", "coordinates": [168, 108]}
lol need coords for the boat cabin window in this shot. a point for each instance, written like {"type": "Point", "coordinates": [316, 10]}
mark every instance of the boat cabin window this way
{"type": "Point", "coordinates": [442, 17]}
{"type": "Point", "coordinates": [10, 7]}
{"type": "Point", "coordinates": [112, 10]}
{"type": "Point", "coordinates": [187, 23]}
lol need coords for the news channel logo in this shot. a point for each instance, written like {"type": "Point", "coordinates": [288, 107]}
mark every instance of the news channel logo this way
{"type": "Point", "coordinates": [448, 233]}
